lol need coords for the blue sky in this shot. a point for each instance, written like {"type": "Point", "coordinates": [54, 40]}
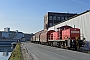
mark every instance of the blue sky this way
{"type": "Point", "coordinates": [28, 15]}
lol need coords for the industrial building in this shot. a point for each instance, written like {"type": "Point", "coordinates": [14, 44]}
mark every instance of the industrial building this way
{"type": "Point", "coordinates": [28, 36]}
{"type": "Point", "coordinates": [53, 18]}
{"type": "Point", "coordinates": [81, 21]}
{"type": "Point", "coordinates": [7, 34]}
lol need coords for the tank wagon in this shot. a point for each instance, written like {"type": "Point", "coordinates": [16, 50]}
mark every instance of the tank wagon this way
{"type": "Point", "coordinates": [65, 37]}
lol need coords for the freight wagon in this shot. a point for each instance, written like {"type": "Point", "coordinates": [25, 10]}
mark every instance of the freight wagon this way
{"type": "Point", "coordinates": [33, 39]}
{"type": "Point", "coordinates": [37, 35]}
{"type": "Point", "coordinates": [45, 36]}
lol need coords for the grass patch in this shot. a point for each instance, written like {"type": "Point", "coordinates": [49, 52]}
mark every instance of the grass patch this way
{"type": "Point", "coordinates": [16, 54]}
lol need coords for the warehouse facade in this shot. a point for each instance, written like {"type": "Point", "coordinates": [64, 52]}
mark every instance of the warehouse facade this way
{"type": "Point", "coordinates": [53, 18]}
{"type": "Point", "coordinates": [81, 21]}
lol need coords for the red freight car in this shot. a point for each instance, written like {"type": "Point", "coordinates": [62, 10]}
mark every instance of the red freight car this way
{"type": "Point", "coordinates": [34, 38]}
{"type": "Point", "coordinates": [45, 36]}
{"type": "Point", "coordinates": [54, 36]}
{"type": "Point", "coordinates": [71, 33]}
{"type": "Point", "coordinates": [37, 37]}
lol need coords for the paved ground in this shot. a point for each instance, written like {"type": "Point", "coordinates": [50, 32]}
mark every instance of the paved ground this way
{"type": "Point", "coordinates": [26, 55]}
{"type": "Point", "coordinates": [42, 52]}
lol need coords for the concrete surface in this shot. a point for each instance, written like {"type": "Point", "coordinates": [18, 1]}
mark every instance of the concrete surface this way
{"type": "Point", "coordinates": [42, 52]}
{"type": "Point", "coordinates": [26, 55]}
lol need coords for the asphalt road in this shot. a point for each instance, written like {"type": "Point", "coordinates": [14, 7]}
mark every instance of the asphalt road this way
{"type": "Point", "coordinates": [42, 52]}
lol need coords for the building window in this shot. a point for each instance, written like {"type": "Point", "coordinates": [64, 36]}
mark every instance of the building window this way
{"type": "Point", "coordinates": [50, 17]}
{"type": "Point", "coordinates": [54, 17]}
{"type": "Point", "coordinates": [62, 18]}
{"type": "Point", "coordinates": [58, 18]}
{"type": "Point", "coordinates": [50, 24]}
{"type": "Point", "coordinates": [65, 18]}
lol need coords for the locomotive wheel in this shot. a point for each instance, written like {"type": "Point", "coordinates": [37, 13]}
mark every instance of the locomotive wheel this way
{"type": "Point", "coordinates": [58, 45]}
{"type": "Point", "coordinates": [51, 44]}
{"type": "Point", "coordinates": [61, 45]}
{"type": "Point", "coordinates": [47, 44]}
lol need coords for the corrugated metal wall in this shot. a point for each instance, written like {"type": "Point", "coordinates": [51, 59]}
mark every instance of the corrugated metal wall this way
{"type": "Point", "coordinates": [81, 21]}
